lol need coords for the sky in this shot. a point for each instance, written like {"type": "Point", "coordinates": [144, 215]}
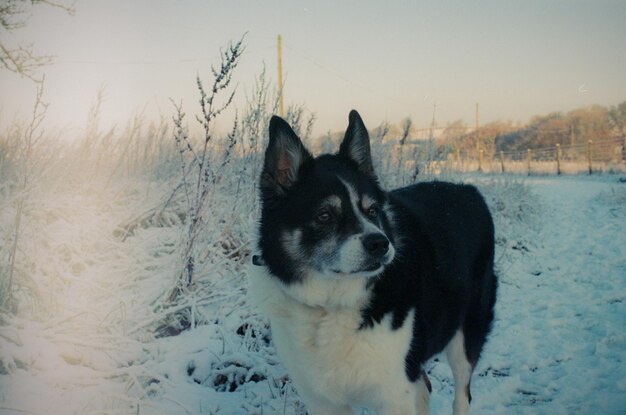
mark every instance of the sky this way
{"type": "Point", "coordinates": [389, 60]}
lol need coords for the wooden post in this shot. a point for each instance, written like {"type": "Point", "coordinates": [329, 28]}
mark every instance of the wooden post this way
{"type": "Point", "coordinates": [502, 160]}
{"type": "Point", "coordinates": [480, 160]}
{"type": "Point", "coordinates": [462, 161]}
{"type": "Point", "coordinates": [528, 158]}
{"type": "Point", "coordinates": [281, 108]}
{"type": "Point", "coordinates": [558, 159]}
{"type": "Point", "coordinates": [478, 136]}
{"type": "Point", "coordinates": [589, 143]}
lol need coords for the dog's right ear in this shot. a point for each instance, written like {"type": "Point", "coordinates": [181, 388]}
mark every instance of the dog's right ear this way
{"type": "Point", "coordinates": [284, 156]}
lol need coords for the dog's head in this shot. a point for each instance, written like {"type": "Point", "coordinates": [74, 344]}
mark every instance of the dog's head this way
{"type": "Point", "coordinates": [324, 217]}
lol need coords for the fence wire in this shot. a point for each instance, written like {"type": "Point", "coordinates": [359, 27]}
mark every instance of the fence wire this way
{"type": "Point", "coordinates": [586, 157]}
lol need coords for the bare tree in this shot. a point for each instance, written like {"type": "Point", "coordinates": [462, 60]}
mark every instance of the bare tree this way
{"type": "Point", "coordinates": [22, 59]}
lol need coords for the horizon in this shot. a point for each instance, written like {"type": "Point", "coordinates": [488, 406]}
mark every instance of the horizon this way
{"type": "Point", "coordinates": [516, 60]}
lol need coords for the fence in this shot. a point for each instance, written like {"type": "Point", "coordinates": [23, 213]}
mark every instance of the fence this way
{"type": "Point", "coordinates": [590, 157]}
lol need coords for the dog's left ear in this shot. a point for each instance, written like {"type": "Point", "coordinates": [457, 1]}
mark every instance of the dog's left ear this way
{"type": "Point", "coordinates": [356, 144]}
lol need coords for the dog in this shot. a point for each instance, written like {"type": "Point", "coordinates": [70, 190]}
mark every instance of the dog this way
{"type": "Point", "coordinates": [363, 286]}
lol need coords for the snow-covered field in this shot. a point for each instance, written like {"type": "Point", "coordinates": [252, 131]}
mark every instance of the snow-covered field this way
{"type": "Point", "coordinates": [94, 270]}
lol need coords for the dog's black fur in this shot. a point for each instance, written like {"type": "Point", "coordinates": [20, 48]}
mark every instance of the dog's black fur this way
{"type": "Point", "coordinates": [444, 270]}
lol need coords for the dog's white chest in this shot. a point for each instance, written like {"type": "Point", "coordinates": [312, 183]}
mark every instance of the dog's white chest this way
{"type": "Point", "coordinates": [327, 354]}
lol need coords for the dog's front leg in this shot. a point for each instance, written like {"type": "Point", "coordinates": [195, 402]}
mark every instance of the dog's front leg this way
{"type": "Point", "coordinates": [423, 394]}
{"type": "Point", "coordinates": [402, 401]}
{"type": "Point", "coordinates": [400, 408]}
{"type": "Point", "coordinates": [327, 408]}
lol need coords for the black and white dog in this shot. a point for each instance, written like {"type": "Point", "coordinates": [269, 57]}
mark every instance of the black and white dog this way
{"type": "Point", "coordinates": [362, 286]}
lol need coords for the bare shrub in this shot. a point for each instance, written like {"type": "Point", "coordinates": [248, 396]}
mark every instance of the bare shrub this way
{"type": "Point", "coordinates": [17, 170]}
{"type": "Point", "coordinates": [201, 166]}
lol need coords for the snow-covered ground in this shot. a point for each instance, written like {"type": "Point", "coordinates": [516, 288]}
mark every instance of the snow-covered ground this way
{"type": "Point", "coordinates": [559, 340]}
{"type": "Point", "coordinates": [84, 343]}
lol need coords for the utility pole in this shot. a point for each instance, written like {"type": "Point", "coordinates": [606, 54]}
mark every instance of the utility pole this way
{"type": "Point", "coordinates": [431, 136]}
{"type": "Point", "coordinates": [478, 135]}
{"type": "Point", "coordinates": [589, 144]}
{"type": "Point", "coordinates": [281, 108]}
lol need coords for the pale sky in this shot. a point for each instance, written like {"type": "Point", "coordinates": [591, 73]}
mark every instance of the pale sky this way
{"type": "Point", "coordinates": [387, 59]}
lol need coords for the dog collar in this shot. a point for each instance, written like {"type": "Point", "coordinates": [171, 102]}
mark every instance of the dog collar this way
{"type": "Point", "coordinates": [258, 261]}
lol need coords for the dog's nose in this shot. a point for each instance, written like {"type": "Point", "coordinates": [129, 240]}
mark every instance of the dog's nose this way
{"type": "Point", "coordinates": [376, 244]}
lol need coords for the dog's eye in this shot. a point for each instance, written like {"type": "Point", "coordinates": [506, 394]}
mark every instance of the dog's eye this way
{"type": "Point", "coordinates": [323, 217]}
{"type": "Point", "coordinates": [373, 211]}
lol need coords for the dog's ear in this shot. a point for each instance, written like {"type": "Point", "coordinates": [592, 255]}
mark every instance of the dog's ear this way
{"type": "Point", "coordinates": [284, 156]}
{"type": "Point", "coordinates": [356, 144]}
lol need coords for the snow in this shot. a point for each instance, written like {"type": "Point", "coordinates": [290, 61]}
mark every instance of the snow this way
{"type": "Point", "coordinates": [83, 340]}
{"type": "Point", "coordinates": [559, 335]}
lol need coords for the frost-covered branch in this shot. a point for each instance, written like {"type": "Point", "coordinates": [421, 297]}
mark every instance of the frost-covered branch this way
{"type": "Point", "coordinates": [196, 164]}
{"type": "Point", "coordinates": [22, 59]}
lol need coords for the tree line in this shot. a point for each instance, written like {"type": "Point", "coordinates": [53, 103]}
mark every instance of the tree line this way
{"type": "Point", "coordinates": [574, 128]}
